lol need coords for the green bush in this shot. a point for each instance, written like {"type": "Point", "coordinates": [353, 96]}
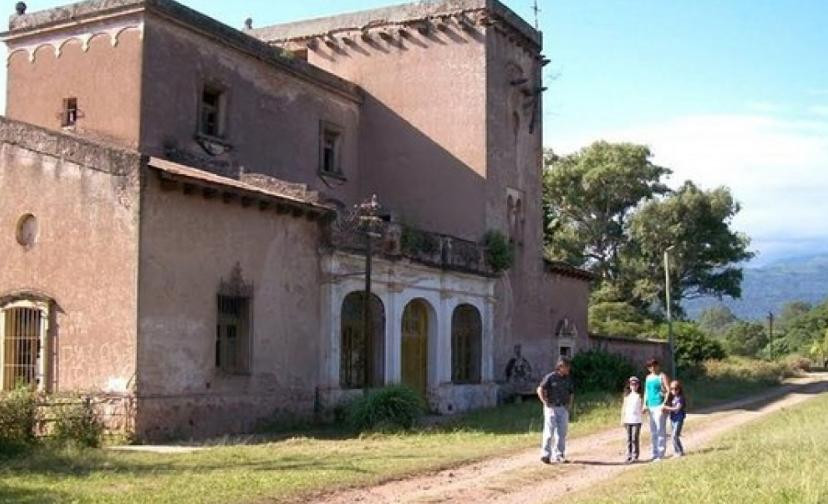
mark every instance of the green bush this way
{"type": "Point", "coordinates": [499, 253]}
{"type": "Point", "coordinates": [18, 419]}
{"type": "Point", "coordinates": [693, 346]}
{"type": "Point", "coordinates": [77, 423]}
{"type": "Point", "coordinates": [389, 408]}
{"type": "Point", "coordinates": [596, 370]}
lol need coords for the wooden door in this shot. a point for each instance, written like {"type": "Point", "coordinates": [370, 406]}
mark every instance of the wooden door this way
{"type": "Point", "coordinates": [415, 346]}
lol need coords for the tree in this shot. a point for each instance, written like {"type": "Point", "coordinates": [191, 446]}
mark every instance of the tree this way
{"type": "Point", "coordinates": [587, 199]}
{"type": "Point", "coordinates": [819, 349]}
{"type": "Point", "coordinates": [716, 319]}
{"type": "Point", "coordinates": [746, 338]}
{"type": "Point", "coordinates": [619, 319]}
{"type": "Point", "coordinates": [693, 346]}
{"type": "Point", "coordinates": [791, 312]}
{"type": "Point", "coordinates": [803, 330]}
{"type": "Point", "coordinates": [705, 250]}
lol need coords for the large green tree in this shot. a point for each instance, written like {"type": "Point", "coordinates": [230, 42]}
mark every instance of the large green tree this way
{"type": "Point", "coordinates": [705, 253]}
{"type": "Point", "coordinates": [589, 196]}
{"type": "Point", "coordinates": [716, 320]}
{"type": "Point", "coordinates": [746, 338]}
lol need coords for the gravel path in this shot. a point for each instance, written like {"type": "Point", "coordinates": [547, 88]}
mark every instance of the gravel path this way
{"type": "Point", "coordinates": [521, 478]}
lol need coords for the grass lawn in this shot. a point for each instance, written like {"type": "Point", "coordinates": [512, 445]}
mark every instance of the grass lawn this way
{"type": "Point", "coordinates": [779, 459]}
{"type": "Point", "coordinates": [283, 466]}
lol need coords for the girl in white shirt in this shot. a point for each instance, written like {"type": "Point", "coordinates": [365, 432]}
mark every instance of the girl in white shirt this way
{"type": "Point", "coordinates": [631, 416]}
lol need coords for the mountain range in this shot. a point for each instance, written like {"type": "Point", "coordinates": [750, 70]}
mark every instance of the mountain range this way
{"type": "Point", "coordinates": [768, 288]}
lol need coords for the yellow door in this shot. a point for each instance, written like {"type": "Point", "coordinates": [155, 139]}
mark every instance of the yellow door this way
{"type": "Point", "coordinates": [415, 346]}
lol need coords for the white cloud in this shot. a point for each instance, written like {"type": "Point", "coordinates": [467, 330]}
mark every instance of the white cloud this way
{"type": "Point", "coordinates": [776, 167]}
{"type": "Point", "coordinates": [820, 110]}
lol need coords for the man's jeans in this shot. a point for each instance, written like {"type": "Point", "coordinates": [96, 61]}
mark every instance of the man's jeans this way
{"type": "Point", "coordinates": [676, 433]}
{"type": "Point", "coordinates": [555, 422]}
{"type": "Point", "coordinates": [658, 431]}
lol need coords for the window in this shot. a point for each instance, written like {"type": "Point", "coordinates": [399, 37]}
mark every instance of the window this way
{"type": "Point", "coordinates": [23, 355]}
{"type": "Point", "coordinates": [466, 342]}
{"type": "Point", "coordinates": [69, 115]}
{"type": "Point", "coordinates": [566, 334]}
{"type": "Point", "coordinates": [330, 138]}
{"type": "Point", "coordinates": [211, 122]}
{"type": "Point", "coordinates": [233, 334]}
{"type": "Point", "coordinates": [362, 358]}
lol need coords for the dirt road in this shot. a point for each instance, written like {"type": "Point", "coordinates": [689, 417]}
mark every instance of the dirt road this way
{"type": "Point", "coordinates": [521, 478]}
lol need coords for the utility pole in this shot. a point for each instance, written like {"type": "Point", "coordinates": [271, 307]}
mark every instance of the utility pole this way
{"type": "Point", "coordinates": [669, 311]}
{"type": "Point", "coordinates": [770, 334]}
{"type": "Point", "coordinates": [368, 219]}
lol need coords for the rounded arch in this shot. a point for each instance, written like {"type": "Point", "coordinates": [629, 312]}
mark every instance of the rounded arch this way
{"type": "Point", "coordinates": [362, 356]}
{"type": "Point", "coordinates": [418, 322]}
{"type": "Point", "coordinates": [466, 344]}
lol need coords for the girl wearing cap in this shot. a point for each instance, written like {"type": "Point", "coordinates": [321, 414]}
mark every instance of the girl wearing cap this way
{"type": "Point", "coordinates": [631, 416]}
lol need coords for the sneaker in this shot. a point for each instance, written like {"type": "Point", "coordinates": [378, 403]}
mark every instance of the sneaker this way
{"type": "Point", "coordinates": [546, 460]}
{"type": "Point", "coordinates": [561, 460]}
{"type": "Point", "coordinates": [657, 459]}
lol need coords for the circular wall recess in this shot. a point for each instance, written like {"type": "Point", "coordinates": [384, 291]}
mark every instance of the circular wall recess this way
{"type": "Point", "coordinates": [27, 230]}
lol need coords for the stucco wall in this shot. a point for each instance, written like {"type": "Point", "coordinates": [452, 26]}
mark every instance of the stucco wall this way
{"type": "Point", "coordinates": [529, 300]}
{"type": "Point", "coordinates": [422, 137]}
{"type": "Point", "coordinates": [188, 245]}
{"type": "Point", "coordinates": [105, 79]}
{"type": "Point", "coordinates": [272, 118]}
{"type": "Point", "coordinates": [85, 254]}
{"type": "Point", "coordinates": [636, 351]}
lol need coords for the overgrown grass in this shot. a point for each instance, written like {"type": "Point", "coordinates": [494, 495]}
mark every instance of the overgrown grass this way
{"type": "Point", "coordinates": [778, 459]}
{"type": "Point", "coordinates": [285, 466]}
{"type": "Point", "coordinates": [281, 469]}
{"type": "Point", "coordinates": [731, 378]}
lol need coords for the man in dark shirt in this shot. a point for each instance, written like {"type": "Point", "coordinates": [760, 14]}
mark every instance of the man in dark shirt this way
{"type": "Point", "coordinates": [557, 395]}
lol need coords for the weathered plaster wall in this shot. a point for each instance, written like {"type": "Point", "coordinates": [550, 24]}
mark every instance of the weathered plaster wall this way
{"type": "Point", "coordinates": [636, 351]}
{"type": "Point", "coordinates": [85, 200]}
{"type": "Point", "coordinates": [422, 137]}
{"type": "Point", "coordinates": [272, 120]}
{"type": "Point", "coordinates": [188, 244]}
{"type": "Point", "coordinates": [104, 78]}
{"type": "Point", "coordinates": [527, 300]}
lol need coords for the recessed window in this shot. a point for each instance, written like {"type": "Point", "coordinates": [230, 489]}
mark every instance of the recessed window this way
{"type": "Point", "coordinates": [27, 230]}
{"type": "Point", "coordinates": [23, 352]}
{"type": "Point", "coordinates": [330, 140]}
{"type": "Point", "coordinates": [213, 104]}
{"type": "Point", "coordinates": [69, 114]}
{"type": "Point", "coordinates": [233, 334]}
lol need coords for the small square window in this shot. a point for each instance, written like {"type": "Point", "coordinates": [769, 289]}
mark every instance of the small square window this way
{"type": "Point", "coordinates": [69, 115]}
{"type": "Point", "coordinates": [211, 120]}
{"type": "Point", "coordinates": [330, 140]}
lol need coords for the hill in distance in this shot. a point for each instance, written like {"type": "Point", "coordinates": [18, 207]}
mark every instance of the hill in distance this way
{"type": "Point", "coordinates": [769, 288]}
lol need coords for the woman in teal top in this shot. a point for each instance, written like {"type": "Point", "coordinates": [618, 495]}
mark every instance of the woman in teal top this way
{"type": "Point", "coordinates": [655, 391]}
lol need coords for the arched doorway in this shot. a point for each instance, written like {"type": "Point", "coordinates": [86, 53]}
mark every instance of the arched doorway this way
{"type": "Point", "coordinates": [415, 346]}
{"type": "Point", "coordinates": [362, 358]}
{"type": "Point", "coordinates": [466, 343]}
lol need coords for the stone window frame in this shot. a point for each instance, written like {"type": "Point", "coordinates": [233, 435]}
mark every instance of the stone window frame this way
{"type": "Point", "coordinates": [329, 128]}
{"type": "Point", "coordinates": [222, 123]}
{"type": "Point", "coordinates": [235, 290]}
{"type": "Point", "coordinates": [566, 335]}
{"type": "Point", "coordinates": [70, 113]}
{"type": "Point", "coordinates": [43, 360]}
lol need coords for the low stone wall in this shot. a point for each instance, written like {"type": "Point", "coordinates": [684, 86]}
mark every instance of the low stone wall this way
{"type": "Point", "coordinates": [449, 399]}
{"type": "Point", "coordinates": [116, 411]}
{"type": "Point", "coordinates": [637, 351]}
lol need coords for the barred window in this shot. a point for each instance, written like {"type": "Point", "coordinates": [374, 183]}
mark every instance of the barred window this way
{"type": "Point", "coordinates": [23, 355]}
{"type": "Point", "coordinates": [466, 343]}
{"type": "Point", "coordinates": [233, 334]}
{"type": "Point", "coordinates": [212, 112]}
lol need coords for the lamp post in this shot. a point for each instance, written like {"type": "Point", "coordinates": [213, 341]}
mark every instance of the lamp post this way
{"type": "Point", "coordinates": [368, 218]}
{"type": "Point", "coordinates": [669, 310]}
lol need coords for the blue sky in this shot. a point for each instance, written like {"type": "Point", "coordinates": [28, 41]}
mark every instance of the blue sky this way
{"type": "Point", "coordinates": [725, 93]}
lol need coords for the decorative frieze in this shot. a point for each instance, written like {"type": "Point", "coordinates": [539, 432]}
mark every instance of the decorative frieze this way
{"type": "Point", "coordinates": [56, 40]}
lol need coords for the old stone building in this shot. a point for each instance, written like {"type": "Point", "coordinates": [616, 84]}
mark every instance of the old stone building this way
{"type": "Point", "coordinates": [176, 211]}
